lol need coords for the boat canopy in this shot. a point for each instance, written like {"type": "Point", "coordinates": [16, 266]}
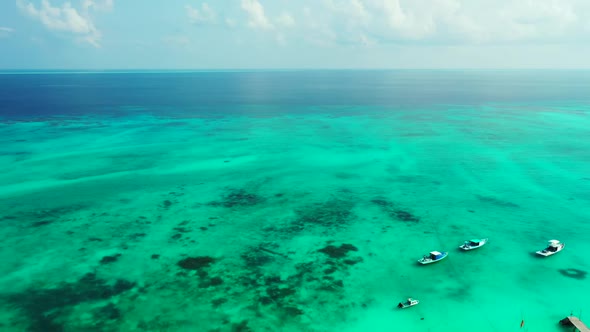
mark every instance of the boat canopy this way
{"type": "Point", "coordinates": [434, 255]}
{"type": "Point", "coordinates": [475, 241]}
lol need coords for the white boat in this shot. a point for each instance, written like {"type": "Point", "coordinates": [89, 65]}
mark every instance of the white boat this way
{"type": "Point", "coordinates": [554, 247]}
{"type": "Point", "coordinates": [410, 302]}
{"type": "Point", "coordinates": [473, 244]}
{"type": "Point", "coordinates": [433, 257]}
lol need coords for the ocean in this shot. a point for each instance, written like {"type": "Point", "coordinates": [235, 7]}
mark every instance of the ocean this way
{"type": "Point", "coordinates": [293, 200]}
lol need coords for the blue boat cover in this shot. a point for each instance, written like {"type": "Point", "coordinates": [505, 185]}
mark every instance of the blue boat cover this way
{"type": "Point", "coordinates": [436, 255]}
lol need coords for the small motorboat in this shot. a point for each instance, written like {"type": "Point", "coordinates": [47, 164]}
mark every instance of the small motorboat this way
{"type": "Point", "coordinates": [410, 302]}
{"type": "Point", "coordinates": [554, 247]}
{"type": "Point", "coordinates": [434, 256]}
{"type": "Point", "coordinates": [473, 244]}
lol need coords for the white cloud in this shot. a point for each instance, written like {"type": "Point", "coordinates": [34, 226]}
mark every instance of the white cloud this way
{"type": "Point", "coordinates": [411, 22]}
{"type": "Point", "coordinates": [67, 18]}
{"type": "Point", "coordinates": [102, 5]}
{"type": "Point", "coordinates": [542, 19]}
{"type": "Point", "coordinates": [306, 12]}
{"type": "Point", "coordinates": [434, 22]}
{"type": "Point", "coordinates": [365, 40]}
{"type": "Point", "coordinates": [352, 11]}
{"type": "Point", "coordinates": [5, 32]}
{"type": "Point", "coordinates": [285, 20]}
{"type": "Point", "coordinates": [230, 22]}
{"type": "Point", "coordinates": [449, 21]}
{"type": "Point", "coordinates": [201, 15]}
{"type": "Point", "coordinates": [256, 17]}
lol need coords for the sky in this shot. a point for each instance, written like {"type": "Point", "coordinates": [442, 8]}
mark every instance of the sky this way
{"type": "Point", "coordinates": [294, 34]}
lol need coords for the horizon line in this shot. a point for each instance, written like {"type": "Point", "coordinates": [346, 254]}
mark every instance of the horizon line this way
{"type": "Point", "coordinates": [196, 70]}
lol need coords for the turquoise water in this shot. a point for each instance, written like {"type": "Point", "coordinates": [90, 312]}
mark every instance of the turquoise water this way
{"type": "Point", "coordinates": [268, 211]}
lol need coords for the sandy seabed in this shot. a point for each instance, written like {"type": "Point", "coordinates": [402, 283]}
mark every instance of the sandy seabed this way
{"type": "Point", "coordinates": [294, 222]}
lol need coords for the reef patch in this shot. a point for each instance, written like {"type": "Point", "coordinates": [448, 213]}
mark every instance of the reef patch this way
{"type": "Point", "coordinates": [238, 198]}
{"type": "Point", "coordinates": [196, 263]}
{"type": "Point", "coordinates": [395, 212]}
{"type": "Point", "coordinates": [46, 307]}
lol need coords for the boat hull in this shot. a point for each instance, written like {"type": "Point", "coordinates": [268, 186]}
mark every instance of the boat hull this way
{"type": "Point", "coordinates": [430, 261]}
{"type": "Point", "coordinates": [546, 253]}
{"type": "Point", "coordinates": [467, 248]}
{"type": "Point", "coordinates": [406, 305]}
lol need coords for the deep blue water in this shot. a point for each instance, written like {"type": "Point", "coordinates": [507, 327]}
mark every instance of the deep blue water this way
{"type": "Point", "coordinates": [49, 94]}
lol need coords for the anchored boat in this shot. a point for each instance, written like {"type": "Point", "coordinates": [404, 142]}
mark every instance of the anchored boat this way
{"type": "Point", "coordinates": [433, 257]}
{"type": "Point", "coordinates": [473, 244]}
{"type": "Point", "coordinates": [553, 248]}
{"type": "Point", "coordinates": [410, 302]}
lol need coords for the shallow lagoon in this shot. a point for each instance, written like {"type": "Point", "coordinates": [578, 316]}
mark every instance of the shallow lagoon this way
{"type": "Point", "coordinates": [294, 216]}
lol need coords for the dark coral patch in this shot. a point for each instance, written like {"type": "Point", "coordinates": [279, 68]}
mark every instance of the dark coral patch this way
{"type": "Point", "coordinates": [331, 285]}
{"type": "Point", "coordinates": [394, 212]}
{"type": "Point", "coordinates": [353, 261]}
{"type": "Point", "coordinates": [182, 229]}
{"type": "Point", "coordinates": [241, 327]}
{"type": "Point", "coordinates": [217, 302]}
{"type": "Point", "coordinates": [338, 252]}
{"type": "Point", "coordinates": [272, 280]}
{"type": "Point", "coordinates": [256, 256]}
{"type": "Point", "coordinates": [405, 216]}
{"type": "Point", "coordinates": [109, 312]}
{"type": "Point", "coordinates": [216, 281]}
{"type": "Point", "coordinates": [109, 259]}
{"type": "Point", "coordinates": [212, 282]}
{"type": "Point", "coordinates": [238, 197]}
{"type": "Point", "coordinates": [265, 300]}
{"type": "Point", "coordinates": [293, 311]}
{"type": "Point", "coordinates": [195, 263]}
{"type": "Point", "coordinates": [43, 217]}
{"type": "Point", "coordinates": [459, 293]}
{"type": "Point", "coordinates": [202, 274]}
{"type": "Point", "coordinates": [330, 215]}
{"type": "Point", "coordinates": [277, 294]}
{"type": "Point", "coordinates": [45, 307]}
{"type": "Point", "coordinates": [137, 236]}
{"type": "Point", "coordinates": [241, 197]}
{"type": "Point", "coordinates": [41, 223]}
{"type": "Point", "coordinates": [381, 202]}
{"type": "Point", "coordinates": [496, 201]}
